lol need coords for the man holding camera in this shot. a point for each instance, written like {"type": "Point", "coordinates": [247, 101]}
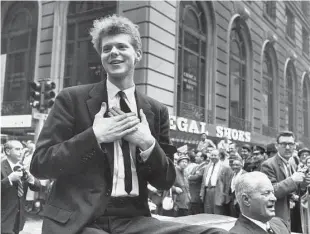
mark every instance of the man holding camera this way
{"type": "Point", "coordinates": [283, 176]}
{"type": "Point", "coordinates": [15, 181]}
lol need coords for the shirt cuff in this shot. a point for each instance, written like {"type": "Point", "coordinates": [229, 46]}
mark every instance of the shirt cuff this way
{"type": "Point", "coordinates": [10, 181]}
{"type": "Point", "coordinates": [146, 153]}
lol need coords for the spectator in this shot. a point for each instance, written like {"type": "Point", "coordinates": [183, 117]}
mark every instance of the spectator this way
{"type": "Point", "coordinates": [205, 143]}
{"type": "Point", "coordinates": [246, 155]}
{"type": "Point", "coordinates": [255, 196]}
{"type": "Point", "coordinates": [232, 148]}
{"type": "Point", "coordinates": [194, 180]}
{"type": "Point", "coordinates": [271, 150]}
{"type": "Point", "coordinates": [258, 156]}
{"type": "Point", "coordinates": [285, 181]}
{"type": "Point", "coordinates": [192, 163]}
{"type": "Point", "coordinates": [223, 145]}
{"type": "Point", "coordinates": [215, 186]}
{"type": "Point", "coordinates": [15, 180]}
{"type": "Point", "coordinates": [236, 167]}
{"type": "Point", "coordinates": [180, 188]}
{"type": "Point", "coordinates": [303, 154]}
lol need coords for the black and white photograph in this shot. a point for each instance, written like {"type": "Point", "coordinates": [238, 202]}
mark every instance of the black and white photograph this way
{"type": "Point", "coordinates": [155, 117]}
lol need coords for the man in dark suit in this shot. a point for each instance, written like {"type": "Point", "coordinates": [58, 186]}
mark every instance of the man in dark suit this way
{"type": "Point", "coordinates": [14, 184]}
{"type": "Point", "coordinates": [101, 157]}
{"type": "Point", "coordinates": [282, 175]}
{"type": "Point", "coordinates": [255, 195]}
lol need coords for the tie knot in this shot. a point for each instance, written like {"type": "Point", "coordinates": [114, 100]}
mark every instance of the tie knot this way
{"type": "Point", "coordinates": [121, 94]}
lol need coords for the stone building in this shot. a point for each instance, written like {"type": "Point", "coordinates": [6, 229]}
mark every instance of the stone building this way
{"type": "Point", "coordinates": [235, 68]}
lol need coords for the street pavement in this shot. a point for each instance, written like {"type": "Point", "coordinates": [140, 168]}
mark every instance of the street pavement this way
{"type": "Point", "coordinates": [33, 225]}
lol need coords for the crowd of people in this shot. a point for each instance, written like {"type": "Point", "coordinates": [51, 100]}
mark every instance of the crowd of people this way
{"type": "Point", "coordinates": [207, 174]}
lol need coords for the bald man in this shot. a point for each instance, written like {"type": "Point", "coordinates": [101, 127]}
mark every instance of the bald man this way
{"type": "Point", "coordinates": [255, 195]}
{"type": "Point", "coordinates": [15, 181]}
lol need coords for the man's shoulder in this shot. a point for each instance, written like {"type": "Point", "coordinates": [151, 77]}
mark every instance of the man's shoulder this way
{"type": "Point", "coordinates": [270, 161]}
{"type": "Point", "coordinates": [239, 227]}
{"type": "Point", "coordinates": [278, 221]}
{"type": "Point", "coordinates": [80, 89]}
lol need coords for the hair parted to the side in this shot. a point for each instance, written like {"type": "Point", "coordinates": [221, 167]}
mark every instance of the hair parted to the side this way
{"type": "Point", "coordinates": [114, 25]}
{"type": "Point", "coordinates": [285, 133]}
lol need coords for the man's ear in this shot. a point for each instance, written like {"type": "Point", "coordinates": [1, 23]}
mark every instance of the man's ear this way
{"type": "Point", "coordinates": [245, 199]}
{"type": "Point", "coordinates": [7, 151]}
{"type": "Point", "coordinates": [138, 56]}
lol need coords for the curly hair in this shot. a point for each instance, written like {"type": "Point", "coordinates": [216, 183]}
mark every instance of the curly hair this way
{"type": "Point", "coordinates": [113, 25]}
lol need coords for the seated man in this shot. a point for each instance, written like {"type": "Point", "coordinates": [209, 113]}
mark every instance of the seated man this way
{"type": "Point", "coordinates": [255, 195]}
{"type": "Point", "coordinates": [103, 143]}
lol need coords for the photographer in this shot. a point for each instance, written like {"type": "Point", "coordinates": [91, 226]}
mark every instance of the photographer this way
{"type": "Point", "coordinates": [15, 181]}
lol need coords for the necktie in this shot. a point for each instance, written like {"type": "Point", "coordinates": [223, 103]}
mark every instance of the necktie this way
{"type": "Point", "coordinates": [125, 147]}
{"type": "Point", "coordinates": [20, 189]}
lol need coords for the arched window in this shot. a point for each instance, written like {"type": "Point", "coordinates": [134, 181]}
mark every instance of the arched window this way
{"type": "Point", "coordinates": [192, 48]}
{"type": "Point", "coordinates": [305, 105]}
{"type": "Point", "coordinates": [82, 63]}
{"type": "Point", "coordinates": [269, 91]}
{"type": "Point", "coordinates": [18, 42]}
{"type": "Point", "coordinates": [237, 77]}
{"type": "Point", "coordinates": [290, 85]}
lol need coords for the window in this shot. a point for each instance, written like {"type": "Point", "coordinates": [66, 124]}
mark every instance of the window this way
{"type": "Point", "coordinates": [82, 62]}
{"type": "Point", "coordinates": [237, 77]}
{"type": "Point", "coordinates": [270, 9]}
{"type": "Point", "coordinates": [290, 79]}
{"type": "Point", "coordinates": [306, 103]}
{"type": "Point", "coordinates": [192, 48]}
{"type": "Point", "coordinates": [290, 24]}
{"type": "Point", "coordinates": [267, 91]}
{"type": "Point", "coordinates": [18, 42]}
{"type": "Point", "coordinates": [305, 41]}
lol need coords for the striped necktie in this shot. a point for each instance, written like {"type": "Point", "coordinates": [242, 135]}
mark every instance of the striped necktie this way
{"type": "Point", "coordinates": [20, 189]}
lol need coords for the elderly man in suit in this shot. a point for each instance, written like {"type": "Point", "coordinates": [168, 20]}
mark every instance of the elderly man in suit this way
{"type": "Point", "coordinates": [283, 176]}
{"type": "Point", "coordinates": [102, 143]}
{"type": "Point", "coordinates": [236, 166]}
{"type": "Point", "coordinates": [255, 195]}
{"type": "Point", "coordinates": [15, 181]}
{"type": "Point", "coordinates": [214, 190]}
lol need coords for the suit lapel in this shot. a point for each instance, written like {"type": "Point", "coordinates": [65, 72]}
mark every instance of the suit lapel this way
{"type": "Point", "coordinates": [142, 103]}
{"type": "Point", "coordinates": [6, 168]}
{"type": "Point", "coordinates": [98, 95]}
{"type": "Point", "coordinates": [280, 163]}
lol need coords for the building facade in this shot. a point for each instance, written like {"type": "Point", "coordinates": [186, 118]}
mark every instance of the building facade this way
{"type": "Point", "coordinates": [229, 68]}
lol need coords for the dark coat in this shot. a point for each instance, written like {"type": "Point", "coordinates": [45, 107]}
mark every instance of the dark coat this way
{"type": "Point", "coordinates": [195, 180]}
{"type": "Point", "coordinates": [283, 187]}
{"type": "Point", "coordinates": [181, 200]}
{"type": "Point", "coordinates": [10, 202]}
{"type": "Point", "coordinates": [67, 151]}
{"type": "Point", "coordinates": [246, 226]}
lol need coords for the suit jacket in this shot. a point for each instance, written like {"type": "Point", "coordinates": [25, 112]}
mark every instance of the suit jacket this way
{"type": "Point", "coordinates": [283, 187]}
{"type": "Point", "coordinates": [10, 202]}
{"type": "Point", "coordinates": [222, 184]}
{"type": "Point", "coordinates": [68, 152]}
{"type": "Point", "coordinates": [194, 181]}
{"type": "Point", "coordinates": [181, 200]}
{"type": "Point", "coordinates": [245, 226]}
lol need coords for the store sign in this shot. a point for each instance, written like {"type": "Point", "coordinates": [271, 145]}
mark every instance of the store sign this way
{"type": "Point", "coordinates": [192, 126]}
{"type": "Point", "coordinates": [233, 134]}
{"type": "Point", "coordinates": [16, 121]}
{"type": "Point", "coordinates": [187, 125]}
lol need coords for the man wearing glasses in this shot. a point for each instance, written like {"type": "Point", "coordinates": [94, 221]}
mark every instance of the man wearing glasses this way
{"type": "Point", "coordinates": [283, 176]}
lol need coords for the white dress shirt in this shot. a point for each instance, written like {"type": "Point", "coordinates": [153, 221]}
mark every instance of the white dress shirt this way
{"type": "Point", "coordinates": [118, 189]}
{"type": "Point", "coordinates": [262, 225]}
{"type": "Point", "coordinates": [213, 178]}
{"type": "Point", "coordinates": [12, 165]}
{"type": "Point", "coordinates": [234, 179]}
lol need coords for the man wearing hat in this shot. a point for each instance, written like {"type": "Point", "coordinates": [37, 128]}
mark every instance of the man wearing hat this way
{"type": "Point", "coordinates": [246, 155]}
{"type": "Point", "coordinates": [303, 154]}
{"type": "Point", "coordinates": [258, 158]}
{"type": "Point", "coordinates": [180, 187]}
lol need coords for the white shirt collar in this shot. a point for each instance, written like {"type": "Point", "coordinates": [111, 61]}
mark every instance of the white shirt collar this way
{"type": "Point", "coordinates": [113, 90]}
{"type": "Point", "coordinates": [262, 225]}
{"type": "Point", "coordinates": [12, 165]}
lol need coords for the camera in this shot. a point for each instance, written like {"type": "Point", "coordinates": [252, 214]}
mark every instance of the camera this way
{"type": "Point", "coordinates": [20, 168]}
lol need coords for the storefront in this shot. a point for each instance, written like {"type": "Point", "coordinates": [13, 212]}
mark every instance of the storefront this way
{"type": "Point", "coordinates": [185, 131]}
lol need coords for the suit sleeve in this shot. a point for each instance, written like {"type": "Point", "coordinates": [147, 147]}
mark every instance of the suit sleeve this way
{"type": "Point", "coordinates": [158, 167]}
{"type": "Point", "coordinates": [282, 188]}
{"type": "Point", "coordinates": [59, 151]}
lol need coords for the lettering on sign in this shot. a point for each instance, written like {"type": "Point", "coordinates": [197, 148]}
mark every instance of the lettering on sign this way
{"type": "Point", "coordinates": [187, 125]}
{"type": "Point", "coordinates": [233, 134]}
